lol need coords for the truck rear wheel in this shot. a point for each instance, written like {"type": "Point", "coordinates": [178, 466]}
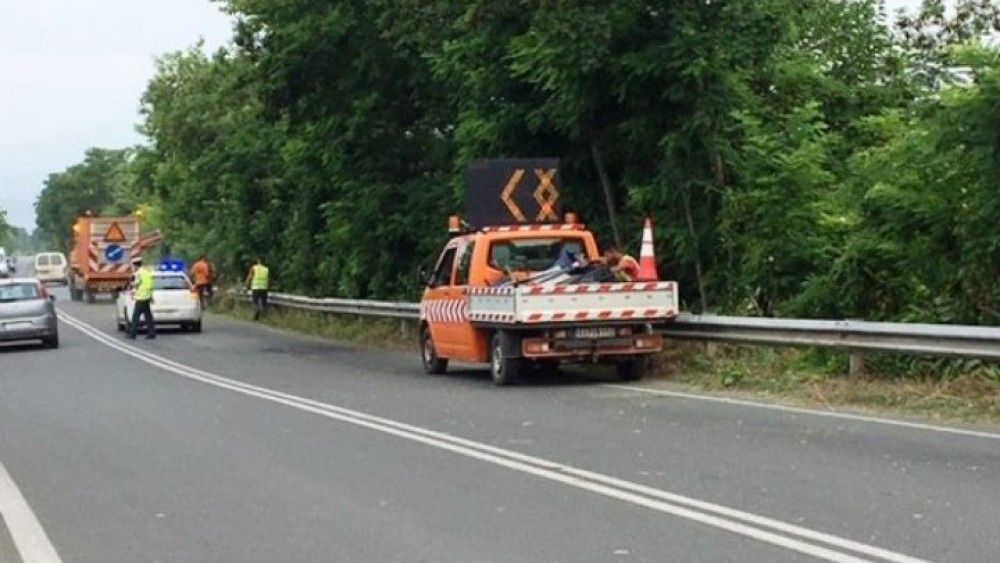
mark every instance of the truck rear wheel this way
{"type": "Point", "coordinates": [433, 365]}
{"type": "Point", "coordinates": [505, 363]}
{"type": "Point", "coordinates": [74, 293]}
{"type": "Point", "coordinates": [633, 369]}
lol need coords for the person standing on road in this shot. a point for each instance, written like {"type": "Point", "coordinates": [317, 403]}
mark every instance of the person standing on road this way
{"type": "Point", "coordinates": [258, 280]}
{"type": "Point", "coordinates": [201, 276]}
{"type": "Point", "coordinates": [142, 287]}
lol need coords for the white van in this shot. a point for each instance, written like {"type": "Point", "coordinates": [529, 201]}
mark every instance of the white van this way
{"type": "Point", "coordinates": [51, 267]}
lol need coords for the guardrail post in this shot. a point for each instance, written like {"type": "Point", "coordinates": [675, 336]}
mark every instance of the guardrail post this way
{"type": "Point", "coordinates": [856, 364]}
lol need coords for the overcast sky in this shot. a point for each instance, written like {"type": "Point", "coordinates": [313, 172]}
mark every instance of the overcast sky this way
{"type": "Point", "coordinates": [72, 71]}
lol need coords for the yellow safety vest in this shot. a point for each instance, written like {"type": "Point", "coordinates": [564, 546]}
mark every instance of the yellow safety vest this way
{"type": "Point", "coordinates": [144, 289]}
{"type": "Point", "coordinates": [260, 277]}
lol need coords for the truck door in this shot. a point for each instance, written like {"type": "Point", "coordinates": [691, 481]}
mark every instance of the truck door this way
{"type": "Point", "coordinates": [441, 303]}
{"type": "Point", "coordinates": [465, 335]}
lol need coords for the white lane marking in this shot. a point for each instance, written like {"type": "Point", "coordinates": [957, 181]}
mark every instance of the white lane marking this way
{"type": "Point", "coordinates": [710, 514]}
{"type": "Point", "coordinates": [29, 537]}
{"type": "Point", "coordinates": [802, 410]}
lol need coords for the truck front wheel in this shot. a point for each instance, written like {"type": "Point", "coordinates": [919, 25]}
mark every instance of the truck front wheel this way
{"type": "Point", "coordinates": [433, 365]}
{"type": "Point", "coordinates": [505, 365]}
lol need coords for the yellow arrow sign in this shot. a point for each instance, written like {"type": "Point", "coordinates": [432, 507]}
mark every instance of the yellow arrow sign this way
{"type": "Point", "coordinates": [508, 191]}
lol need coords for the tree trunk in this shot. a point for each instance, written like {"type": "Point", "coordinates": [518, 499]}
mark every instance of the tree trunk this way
{"type": "Point", "coordinates": [697, 253]}
{"type": "Point", "coordinates": [608, 198]}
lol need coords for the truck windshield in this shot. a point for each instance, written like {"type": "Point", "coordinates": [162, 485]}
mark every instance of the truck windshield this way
{"type": "Point", "coordinates": [533, 255]}
{"type": "Point", "coordinates": [18, 292]}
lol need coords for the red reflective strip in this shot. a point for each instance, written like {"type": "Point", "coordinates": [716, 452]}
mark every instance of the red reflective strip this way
{"type": "Point", "coordinates": [604, 315]}
{"type": "Point", "coordinates": [558, 316]}
{"type": "Point", "coordinates": [534, 317]}
{"type": "Point", "coordinates": [627, 314]}
{"type": "Point", "coordinates": [651, 312]}
{"type": "Point", "coordinates": [582, 315]}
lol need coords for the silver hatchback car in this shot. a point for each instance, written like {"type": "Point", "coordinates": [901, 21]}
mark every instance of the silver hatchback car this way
{"type": "Point", "coordinates": [27, 312]}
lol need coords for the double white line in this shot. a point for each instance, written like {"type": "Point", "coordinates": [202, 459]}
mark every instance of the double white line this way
{"type": "Point", "coordinates": [775, 532]}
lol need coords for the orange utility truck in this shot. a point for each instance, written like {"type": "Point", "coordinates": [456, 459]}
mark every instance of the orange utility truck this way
{"type": "Point", "coordinates": [524, 285]}
{"type": "Point", "coordinates": [102, 253]}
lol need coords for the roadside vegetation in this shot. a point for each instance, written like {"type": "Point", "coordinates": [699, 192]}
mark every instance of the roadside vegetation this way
{"type": "Point", "coordinates": [801, 157]}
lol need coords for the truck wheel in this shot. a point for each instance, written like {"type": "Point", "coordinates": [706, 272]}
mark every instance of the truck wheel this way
{"type": "Point", "coordinates": [195, 326]}
{"type": "Point", "coordinates": [505, 366]}
{"type": "Point", "coordinates": [633, 369]}
{"type": "Point", "coordinates": [433, 365]}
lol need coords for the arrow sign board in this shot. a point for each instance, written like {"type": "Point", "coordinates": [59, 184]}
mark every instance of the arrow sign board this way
{"type": "Point", "coordinates": [511, 191]}
{"type": "Point", "coordinates": [114, 253]}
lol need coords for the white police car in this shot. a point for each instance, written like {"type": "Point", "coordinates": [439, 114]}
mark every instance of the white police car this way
{"type": "Point", "coordinates": [175, 302]}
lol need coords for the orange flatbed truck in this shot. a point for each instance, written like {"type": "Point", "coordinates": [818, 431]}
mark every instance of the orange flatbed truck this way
{"type": "Point", "coordinates": [102, 252]}
{"type": "Point", "coordinates": [480, 305]}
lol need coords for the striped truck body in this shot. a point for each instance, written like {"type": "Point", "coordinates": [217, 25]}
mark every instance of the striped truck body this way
{"type": "Point", "coordinates": [98, 265]}
{"type": "Point", "coordinates": [547, 304]}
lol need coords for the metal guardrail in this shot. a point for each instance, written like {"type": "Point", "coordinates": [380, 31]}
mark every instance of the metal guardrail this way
{"type": "Point", "coordinates": [362, 307]}
{"type": "Point", "coordinates": [901, 338]}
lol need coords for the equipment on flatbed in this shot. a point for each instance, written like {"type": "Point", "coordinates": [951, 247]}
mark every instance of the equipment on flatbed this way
{"type": "Point", "coordinates": [102, 253]}
{"type": "Point", "coordinates": [513, 292]}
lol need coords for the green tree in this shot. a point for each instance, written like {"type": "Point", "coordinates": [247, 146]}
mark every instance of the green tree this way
{"type": "Point", "coordinates": [88, 186]}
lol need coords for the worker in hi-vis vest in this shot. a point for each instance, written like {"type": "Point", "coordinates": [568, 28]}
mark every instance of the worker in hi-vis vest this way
{"type": "Point", "coordinates": [258, 280]}
{"type": "Point", "coordinates": [142, 288]}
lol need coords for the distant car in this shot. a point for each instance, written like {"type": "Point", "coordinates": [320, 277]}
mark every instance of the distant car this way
{"type": "Point", "coordinates": [175, 302]}
{"type": "Point", "coordinates": [27, 312]}
{"type": "Point", "coordinates": [51, 267]}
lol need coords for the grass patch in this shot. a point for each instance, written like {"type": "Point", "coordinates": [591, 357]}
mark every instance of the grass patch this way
{"type": "Point", "coordinates": [366, 331]}
{"type": "Point", "coordinates": [928, 389]}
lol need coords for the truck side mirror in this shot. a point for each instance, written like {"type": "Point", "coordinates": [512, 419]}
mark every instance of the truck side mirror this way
{"type": "Point", "coordinates": [424, 276]}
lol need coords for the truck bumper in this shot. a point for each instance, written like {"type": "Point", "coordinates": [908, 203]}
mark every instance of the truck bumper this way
{"type": "Point", "coordinates": [591, 348]}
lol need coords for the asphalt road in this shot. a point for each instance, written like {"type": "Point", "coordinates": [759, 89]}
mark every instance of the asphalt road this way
{"type": "Point", "coordinates": [250, 444]}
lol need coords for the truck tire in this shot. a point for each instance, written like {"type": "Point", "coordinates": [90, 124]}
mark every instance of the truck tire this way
{"type": "Point", "coordinates": [505, 360]}
{"type": "Point", "coordinates": [433, 365]}
{"type": "Point", "coordinates": [74, 293]}
{"type": "Point", "coordinates": [195, 326]}
{"type": "Point", "coordinates": [633, 369]}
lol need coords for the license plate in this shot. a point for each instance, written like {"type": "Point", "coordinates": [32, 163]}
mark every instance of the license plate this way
{"type": "Point", "coordinates": [595, 332]}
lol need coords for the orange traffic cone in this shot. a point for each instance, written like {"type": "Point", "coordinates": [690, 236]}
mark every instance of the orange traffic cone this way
{"type": "Point", "coordinates": [647, 256]}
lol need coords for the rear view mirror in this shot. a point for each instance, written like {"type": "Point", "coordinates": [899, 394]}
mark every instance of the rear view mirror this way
{"type": "Point", "coordinates": [424, 276]}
